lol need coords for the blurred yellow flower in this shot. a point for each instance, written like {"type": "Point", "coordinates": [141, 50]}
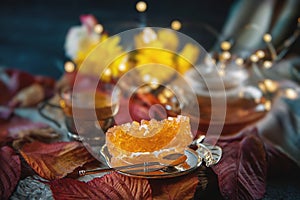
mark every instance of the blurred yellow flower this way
{"type": "Point", "coordinates": [164, 39]}
{"type": "Point", "coordinates": [157, 58]}
{"type": "Point", "coordinates": [102, 59]}
{"type": "Point", "coordinates": [160, 49]}
{"type": "Point", "coordinates": [187, 57]}
{"type": "Point", "coordinates": [155, 49]}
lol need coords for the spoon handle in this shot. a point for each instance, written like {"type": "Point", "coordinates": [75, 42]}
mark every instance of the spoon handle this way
{"type": "Point", "coordinates": [145, 165]}
{"type": "Point", "coordinates": [108, 169]}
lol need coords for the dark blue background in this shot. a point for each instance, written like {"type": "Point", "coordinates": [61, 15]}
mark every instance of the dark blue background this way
{"type": "Point", "coordinates": [33, 31]}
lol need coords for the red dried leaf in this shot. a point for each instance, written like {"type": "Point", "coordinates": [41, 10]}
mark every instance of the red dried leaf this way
{"type": "Point", "coordinates": [10, 171]}
{"type": "Point", "coordinates": [56, 160]}
{"type": "Point", "coordinates": [111, 186]}
{"type": "Point", "coordinates": [68, 188]}
{"type": "Point", "coordinates": [175, 188]}
{"type": "Point", "coordinates": [127, 187]}
{"type": "Point", "coordinates": [243, 167]}
{"type": "Point", "coordinates": [15, 125]}
{"type": "Point", "coordinates": [13, 80]}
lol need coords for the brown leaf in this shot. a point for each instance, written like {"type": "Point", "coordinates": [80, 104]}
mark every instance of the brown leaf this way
{"type": "Point", "coordinates": [13, 80]}
{"type": "Point", "coordinates": [175, 188]}
{"type": "Point", "coordinates": [56, 160]}
{"type": "Point", "coordinates": [10, 171]}
{"type": "Point", "coordinates": [29, 96]}
{"type": "Point", "coordinates": [30, 135]}
{"type": "Point", "coordinates": [243, 167]}
{"type": "Point", "coordinates": [17, 124]}
{"type": "Point", "coordinates": [111, 186]}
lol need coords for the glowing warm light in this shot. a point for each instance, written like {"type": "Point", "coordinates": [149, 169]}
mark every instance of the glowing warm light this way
{"type": "Point", "coordinates": [226, 55]}
{"type": "Point", "coordinates": [267, 38]}
{"type": "Point", "coordinates": [122, 67]}
{"type": "Point", "coordinates": [271, 86]}
{"type": "Point", "coordinates": [254, 58]}
{"type": "Point", "coordinates": [268, 105]}
{"type": "Point", "coordinates": [162, 99]}
{"type": "Point", "coordinates": [107, 72]}
{"type": "Point", "coordinates": [291, 93]}
{"type": "Point", "coordinates": [176, 25]}
{"type": "Point", "coordinates": [154, 84]}
{"type": "Point", "coordinates": [268, 64]}
{"type": "Point", "coordinates": [146, 78]}
{"type": "Point", "coordinates": [167, 93]}
{"type": "Point", "coordinates": [262, 87]}
{"type": "Point", "coordinates": [98, 28]}
{"type": "Point", "coordinates": [260, 54]}
{"type": "Point", "coordinates": [239, 61]}
{"type": "Point", "coordinates": [69, 66]}
{"type": "Point", "coordinates": [141, 6]}
{"type": "Point", "coordinates": [225, 45]}
{"type": "Point", "coordinates": [221, 72]}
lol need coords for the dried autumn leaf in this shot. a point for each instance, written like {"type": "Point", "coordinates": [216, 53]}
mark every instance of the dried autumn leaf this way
{"type": "Point", "coordinates": [55, 160]}
{"type": "Point", "coordinates": [175, 188]}
{"type": "Point", "coordinates": [10, 171]}
{"type": "Point", "coordinates": [12, 81]}
{"type": "Point", "coordinates": [111, 186]}
{"type": "Point", "coordinates": [29, 96]}
{"type": "Point", "coordinates": [11, 129]}
{"type": "Point", "coordinates": [68, 188]}
{"type": "Point", "coordinates": [243, 167]}
{"type": "Point", "coordinates": [17, 124]}
{"type": "Point", "coordinates": [129, 188]}
{"type": "Point", "coordinates": [40, 134]}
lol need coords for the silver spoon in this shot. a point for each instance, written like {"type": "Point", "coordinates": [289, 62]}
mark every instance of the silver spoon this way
{"type": "Point", "coordinates": [140, 167]}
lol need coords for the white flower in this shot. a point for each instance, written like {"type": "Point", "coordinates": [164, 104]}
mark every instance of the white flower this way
{"type": "Point", "coordinates": [81, 38]}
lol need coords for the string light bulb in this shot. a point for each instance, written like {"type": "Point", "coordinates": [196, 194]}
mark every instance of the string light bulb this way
{"type": "Point", "coordinates": [254, 58]}
{"type": "Point", "coordinates": [225, 45]}
{"type": "Point", "coordinates": [239, 61]}
{"type": "Point", "coordinates": [69, 66]}
{"type": "Point", "coordinates": [98, 28]}
{"type": "Point", "coordinates": [271, 86]}
{"type": "Point", "coordinates": [290, 93]}
{"type": "Point", "coordinates": [267, 38]}
{"type": "Point", "coordinates": [260, 54]}
{"type": "Point", "coordinates": [268, 105]}
{"type": "Point", "coordinates": [176, 25]}
{"type": "Point", "coordinates": [107, 72]}
{"type": "Point", "coordinates": [267, 64]}
{"type": "Point", "coordinates": [226, 55]}
{"type": "Point", "coordinates": [122, 67]}
{"type": "Point", "coordinates": [141, 6]}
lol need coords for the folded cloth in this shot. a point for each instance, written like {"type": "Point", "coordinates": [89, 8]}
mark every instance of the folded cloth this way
{"type": "Point", "coordinates": [288, 69]}
{"type": "Point", "coordinates": [282, 125]}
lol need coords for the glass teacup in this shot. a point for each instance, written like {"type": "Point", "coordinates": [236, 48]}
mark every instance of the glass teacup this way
{"type": "Point", "coordinates": [88, 113]}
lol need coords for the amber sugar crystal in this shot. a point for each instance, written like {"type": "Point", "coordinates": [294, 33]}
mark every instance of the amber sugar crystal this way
{"type": "Point", "coordinates": [128, 142]}
{"type": "Point", "coordinates": [148, 140]}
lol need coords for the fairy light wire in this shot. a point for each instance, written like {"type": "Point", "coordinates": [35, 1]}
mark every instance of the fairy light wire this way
{"type": "Point", "coordinates": [268, 40]}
